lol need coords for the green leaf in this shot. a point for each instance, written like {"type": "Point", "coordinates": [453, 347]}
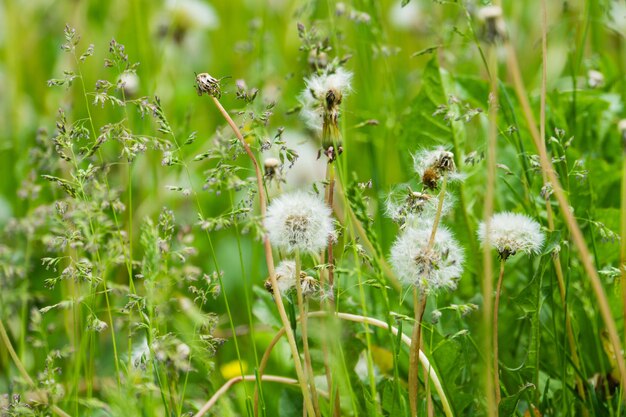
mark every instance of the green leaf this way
{"type": "Point", "coordinates": [508, 405]}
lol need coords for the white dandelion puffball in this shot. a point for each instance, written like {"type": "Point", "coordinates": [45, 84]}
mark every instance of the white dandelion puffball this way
{"type": "Point", "coordinates": [313, 98]}
{"type": "Point", "coordinates": [299, 221]}
{"type": "Point", "coordinates": [511, 233]}
{"type": "Point", "coordinates": [286, 276]}
{"type": "Point", "coordinates": [439, 267]}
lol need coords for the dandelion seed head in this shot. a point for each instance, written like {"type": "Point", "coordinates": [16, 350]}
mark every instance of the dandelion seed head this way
{"type": "Point", "coordinates": [439, 267]}
{"type": "Point", "coordinates": [129, 82]}
{"type": "Point", "coordinates": [322, 95]}
{"type": "Point", "coordinates": [511, 233]}
{"type": "Point", "coordinates": [299, 221]}
{"type": "Point", "coordinates": [432, 164]}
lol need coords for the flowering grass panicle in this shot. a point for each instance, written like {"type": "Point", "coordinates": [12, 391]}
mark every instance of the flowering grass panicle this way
{"type": "Point", "coordinates": [430, 269]}
{"type": "Point", "coordinates": [299, 221]}
{"type": "Point", "coordinates": [323, 95]}
{"type": "Point", "coordinates": [511, 233]}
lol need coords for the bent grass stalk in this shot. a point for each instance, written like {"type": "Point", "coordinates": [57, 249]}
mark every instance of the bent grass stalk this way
{"type": "Point", "coordinates": [432, 374]}
{"type": "Point", "coordinates": [224, 388]}
{"type": "Point", "coordinates": [270, 260]}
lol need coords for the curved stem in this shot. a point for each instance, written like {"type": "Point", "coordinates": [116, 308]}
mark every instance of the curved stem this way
{"type": "Point", "coordinates": [224, 388]}
{"type": "Point", "coordinates": [269, 258]}
{"type": "Point", "coordinates": [496, 305]}
{"type": "Point", "coordinates": [447, 409]}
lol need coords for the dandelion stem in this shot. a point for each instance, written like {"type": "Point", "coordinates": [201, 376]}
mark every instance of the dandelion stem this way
{"type": "Point", "coordinates": [303, 306]}
{"type": "Point", "coordinates": [269, 258]}
{"type": "Point", "coordinates": [442, 195]}
{"type": "Point", "coordinates": [419, 305]}
{"type": "Point", "coordinates": [492, 59]}
{"type": "Point", "coordinates": [496, 305]}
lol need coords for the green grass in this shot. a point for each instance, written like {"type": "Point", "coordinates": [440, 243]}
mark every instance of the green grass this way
{"type": "Point", "coordinates": [132, 266]}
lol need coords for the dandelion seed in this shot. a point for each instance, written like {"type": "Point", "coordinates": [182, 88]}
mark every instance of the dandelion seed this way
{"type": "Point", "coordinates": [511, 233]}
{"type": "Point", "coordinates": [299, 221]}
{"type": "Point", "coordinates": [430, 269]}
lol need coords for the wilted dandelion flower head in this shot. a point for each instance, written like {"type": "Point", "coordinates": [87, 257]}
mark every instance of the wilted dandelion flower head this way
{"type": "Point", "coordinates": [299, 221]}
{"type": "Point", "coordinates": [430, 269]}
{"type": "Point", "coordinates": [286, 279]}
{"type": "Point", "coordinates": [432, 164]}
{"type": "Point", "coordinates": [405, 206]}
{"type": "Point", "coordinates": [511, 233]}
{"type": "Point", "coordinates": [322, 96]}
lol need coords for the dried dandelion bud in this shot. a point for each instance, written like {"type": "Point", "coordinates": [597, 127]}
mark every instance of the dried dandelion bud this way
{"type": "Point", "coordinates": [321, 100]}
{"type": "Point", "coordinates": [430, 178]}
{"type": "Point", "coordinates": [510, 233]}
{"type": "Point", "coordinates": [271, 167]}
{"type": "Point", "coordinates": [299, 221]}
{"type": "Point", "coordinates": [494, 29]}
{"type": "Point", "coordinates": [429, 269]}
{"type": "Point", "coordinates": [205, 83]}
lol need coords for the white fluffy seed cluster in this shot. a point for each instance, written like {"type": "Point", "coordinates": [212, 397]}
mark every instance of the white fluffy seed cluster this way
{"type": "Point", "coordinates": [286, 276]}
{"type": "Point", "coordinates": [439, 267]}
{"type": "Point", "coordinates": [313, 98]}
{"type": "Point", "coordinates": [510, 233]}
{"type": "Point", "coordinates": [299, 221]}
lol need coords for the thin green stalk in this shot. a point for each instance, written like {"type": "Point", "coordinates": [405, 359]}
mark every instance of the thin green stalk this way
{"type": "Point", "coordinates": [492, 400]}
{"type": "Point", "coordinates": [302, 308]}
{"type": "Point", "coordinates": [496, 306]}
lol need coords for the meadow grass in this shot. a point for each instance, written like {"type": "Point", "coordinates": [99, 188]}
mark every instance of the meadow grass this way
{"type": "Point", "coordinates": [298, 207]}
